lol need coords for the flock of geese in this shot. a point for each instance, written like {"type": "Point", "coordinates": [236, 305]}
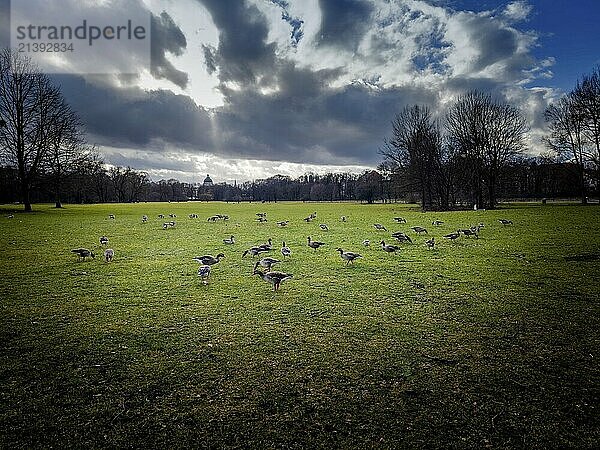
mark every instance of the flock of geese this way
{"type": "Point", "coordinates": [263, 266]}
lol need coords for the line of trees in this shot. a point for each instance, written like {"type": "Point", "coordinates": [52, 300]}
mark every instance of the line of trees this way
{"type": "Point", "coordinates": [95, 182]}
{"type": "Point", "coordinates": [92, 181]}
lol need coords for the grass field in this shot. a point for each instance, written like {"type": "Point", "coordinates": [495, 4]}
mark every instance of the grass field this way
{"type": "Point", "coordinates": [489, 342]}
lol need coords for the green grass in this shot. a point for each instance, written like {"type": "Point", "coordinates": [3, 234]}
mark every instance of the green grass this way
{"type": "Point", "coordinates": [480, 343]}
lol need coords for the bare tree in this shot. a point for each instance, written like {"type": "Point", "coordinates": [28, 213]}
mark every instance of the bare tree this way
{"type": "Point", "coordinates": [30, 107]}
{"type": "Point", "coordinates": [489, 135]}
{"type": "Point", "coordinates": [66, 151]}
{"type": "Point", "coordinates": [587, 99]}
{"type": "Point", "coordinates": [416, 150]}
{"type": "Point", "coordinates": [130, 184]}
{"type": "Point", "coordinates": [138, 182]}
{"type": "Point", "coordinates": [567, 137]}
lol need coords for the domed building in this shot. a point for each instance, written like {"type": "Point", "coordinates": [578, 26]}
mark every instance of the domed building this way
{"type": "Point", "coordinates": [204, 191]}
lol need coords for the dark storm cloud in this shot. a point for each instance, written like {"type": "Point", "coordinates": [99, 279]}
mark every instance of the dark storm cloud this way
{"type": "Point", "coordinates": [495, 43]}
{"type": "Point", "coordinates": [242, 55]}
{"type": "Point", "coordinates": [132, 116]}
{"type": "Point", "coordinates": [344, 22]}
{"type": "Point", "coordinates": [167, 37]}
{"type": "Point", "coordinates": [343, 126]}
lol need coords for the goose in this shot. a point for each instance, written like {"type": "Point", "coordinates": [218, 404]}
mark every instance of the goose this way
{"type": "Point", "coordinates": [400, 219]}
{"type": "Point", "coordinates": [261, 214]}
{"type": "Point", "coordinates": [478, 227]}
{"type": "Point", "coordinates": [261, 219]}
{"type": "Point", "coordinates": [366, 242]}
{"type": "Point", "coordinates": [109, 254]}
{"type": "Point", "coordinates": [348, 256]}
{"type": "Point", "coordinates": [285, 251]}
{"type": "Point", "coordinates": [378, 226]}
{"type": "Point", "coordinates": [144, 219]}
{"type": "Point", "coordinates": [401, 237]}
{"type": "Point", "coordinates": [83, 253]}
{"type": "Point", "coordinates": [254, 251]}
{"type": "Point", "coordinates": [283, 223]}
{"type": "Point", "coordinates": [10, 216]}
{"type": "Point", "coordinates": [193, 216]}
{"type": "Point", "coordinates": [430, 243]}
{"type": "Point", "coordinates": [204, 273]}
{"type": "Point", "coordinates": [437, 223]}
{"type": "Point", "coordinates": [161, 216]}
{"type": "Point", "coordinates": [324, 227]}
{"type": "Point", "coordinates": [452, 236]}
{"type": "Point", "coordinates": [389, 248]}
{"type": "Point", "coordinates": [275, 278]}
{"type": "Point", "coordinates": [468, 232]}
{"type": "Point", "coordinates": [419, 230]}
{"type": "Point", "coordinates": [314, 215]}
{"type": "Point", "coordinates": [268, 246]}
{"type": "Point", "coordinates": [314, 244]}
{"type": "Point", "coordinates": [266, 263]}
{"type": "Point", "coordinates": [165, 226]}
{"type": "Point", "coordinates": [111, 216]}
{"type": "Point", "coordinates": [229, 241]}
{"type": "Point", "coordinates": [343, 218]}
{"type": "Point", "coordinates": [103, 240]}
{"type": "Point", "coordinates": [308, 219]}
{"type": "Point", "coordinates": [172, 216]}
{"type": "Point", "coordinates": [505, 221]}
{"type": "Point", "coordinates": [208, 260]}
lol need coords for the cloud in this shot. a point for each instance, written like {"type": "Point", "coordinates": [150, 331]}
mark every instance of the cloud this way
{"type": "Point", "coordinates": [167, 37]}
{"type": "Point", "coordinates": [191, 167]}
{"type": "Point", "coordinates": [4, 23]}
{"type": "Point", "coordinates": [344, 22]}
{"type": "Point", "coordinates": [308, 83]}
{"type": "Point", "coordinates": [517, 11]}
{"type": "Point", "coordinates": [242, 54]}
{"type": "Point", "coordinates": [132, 116]}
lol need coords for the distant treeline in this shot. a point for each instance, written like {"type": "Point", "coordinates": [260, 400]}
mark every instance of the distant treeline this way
{"type": "Point", "coordinates": [529, 178]}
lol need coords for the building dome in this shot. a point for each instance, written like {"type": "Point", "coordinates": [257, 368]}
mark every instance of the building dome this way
{"type": "Point", "coordinates": [208, 181]}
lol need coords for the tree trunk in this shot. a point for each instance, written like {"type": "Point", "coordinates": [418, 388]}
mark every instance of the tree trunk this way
{"type": "Point", "coordinates": [492, 192]}
{"type": "Point", "coordinates": [478, 194]}
{"type": "Point", "coordinates": [25, 196]}
{"type": "Point", "coordinates": [57, 191]}
{"type": "Point", "coordinates": [582, 185]}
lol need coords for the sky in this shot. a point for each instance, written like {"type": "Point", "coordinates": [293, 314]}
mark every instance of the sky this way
{"type": "Point", "coordinates": [246, 89]}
